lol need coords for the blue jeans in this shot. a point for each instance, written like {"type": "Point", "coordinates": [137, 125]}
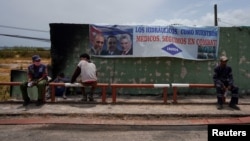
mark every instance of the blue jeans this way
{"type": "Point", "coordinates": [59, 91]}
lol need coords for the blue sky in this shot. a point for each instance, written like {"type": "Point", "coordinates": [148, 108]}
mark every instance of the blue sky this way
{"type": "Point", "coordinates": [37, 14]}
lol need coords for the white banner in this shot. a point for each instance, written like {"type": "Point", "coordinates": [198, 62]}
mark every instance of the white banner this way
{"type": "Point", "coordinates": [194, 43]}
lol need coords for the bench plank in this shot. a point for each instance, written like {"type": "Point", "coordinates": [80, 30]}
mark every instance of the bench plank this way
{"type": "Point", "coordinates": [124, 85]}
{"type": "Point", "coordinates": [187, 85]}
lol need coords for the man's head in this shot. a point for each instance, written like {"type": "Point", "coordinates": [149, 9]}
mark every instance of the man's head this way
{"type": "Point", "coordinates": [126, 42]}
{"type": "Point", "coordinates": [61, 75]}
{"type": "Point", "coordinates": [36, 59]}
{"type": "Point", "coordinates": [98, 42]}
{"type": "Point", "coordinates": [112, 43]}
{"type": "Point", "coordinates": [223, 60]}
{"type": "Point", "coordinates": [85, 56]}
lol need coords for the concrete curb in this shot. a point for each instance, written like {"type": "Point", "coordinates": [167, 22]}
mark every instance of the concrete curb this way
{"type": "Point", "coordinates": [97, 121]}
{"type": "Point", "coordinates": [127, 111]}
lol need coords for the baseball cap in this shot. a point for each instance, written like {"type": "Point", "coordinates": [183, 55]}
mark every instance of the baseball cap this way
{"type": "Point", "coordinates": [223, 58]}
{"type": "Point", "coordinates": [36, 58]}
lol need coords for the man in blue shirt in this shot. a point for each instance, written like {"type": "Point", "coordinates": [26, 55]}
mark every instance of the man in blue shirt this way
{"type": "Point", "coordinates": [37, 76]}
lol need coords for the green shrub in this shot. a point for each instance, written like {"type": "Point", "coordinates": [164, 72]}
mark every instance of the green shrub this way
{"type": "Point", "coordinates": [24, 52]}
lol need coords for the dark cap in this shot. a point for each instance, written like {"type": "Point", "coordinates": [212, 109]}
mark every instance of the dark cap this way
{"type": "Point", "coordinates": [61, 74]}
{"type": "Point", "coordinates": [85, 55]}
{"type": "Point", "coordinates": [36, 58]}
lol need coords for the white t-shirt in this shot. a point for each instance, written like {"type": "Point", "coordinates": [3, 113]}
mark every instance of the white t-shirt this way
{"type": "Point", "coordinates": [88, 71]}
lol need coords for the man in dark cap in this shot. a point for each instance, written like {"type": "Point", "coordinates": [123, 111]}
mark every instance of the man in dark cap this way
{"type": "Point", "coordinates": [37, 76]}
{"type": "Point", "coordinates": [223, 80]}
{"type": "Point", "coordinates": [86, 71]}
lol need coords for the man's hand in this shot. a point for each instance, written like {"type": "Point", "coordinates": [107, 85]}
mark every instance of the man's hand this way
{"type": "Point", "coordinates": [225, 91]}
{"type": "Point", "coordinates": [31, 83]}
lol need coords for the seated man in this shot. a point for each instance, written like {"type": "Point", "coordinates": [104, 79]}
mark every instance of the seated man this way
{"type": "Point", "coordinates": [86, 71]}
{"type": "Point", "coordinates": [61, 91]}
{"type": "Point", "coordinates": [37, 76]}
{"type": "Point", "coordinates": [223, 80]}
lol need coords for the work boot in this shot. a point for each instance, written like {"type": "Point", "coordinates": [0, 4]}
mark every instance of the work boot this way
{"type": "Point", "coordinates": [219, 106]}
{"type": "Point", "coordinates": [234, 106]}
{"type": "Point", "coordinates": [91, 97]}
{"type": "Point", "coordinates": [84, 99]}
{"type": "Point", "coordinates": [39, 102]}
{"type": "Point", "coordinates": [26, 102]}
{"type": "Point", "coordinates": [220, 100]}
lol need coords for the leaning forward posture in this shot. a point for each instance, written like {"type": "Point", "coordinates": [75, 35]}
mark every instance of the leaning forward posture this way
{"type": "Point", "coordinates": [86, 71]}
{"type": "Point", "coordinates": [37, 76]}
{"type": "Point", "coordinates": [223, 80]}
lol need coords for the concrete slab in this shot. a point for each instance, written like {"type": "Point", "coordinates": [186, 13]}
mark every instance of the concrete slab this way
{"type": "Point", "coordinates": [141, 112]}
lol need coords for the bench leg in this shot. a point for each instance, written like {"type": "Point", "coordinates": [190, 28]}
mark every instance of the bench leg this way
{"type": "Point", "coordinates": [104, 94]}
{"type": "Point", "coordinates": [44, 95]}
{"type": "Point", "coordinates": [164, 95]}
{"type": "Point", "coordinates": [174, 95]}
{"type": "Point", "coordinates": [114, 94]}
{"type": "Point", "coordinates": [52, 93]}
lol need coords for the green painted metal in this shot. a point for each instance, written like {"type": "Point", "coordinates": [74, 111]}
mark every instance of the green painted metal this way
{"type": "Point", "coordinates": [73, 39]}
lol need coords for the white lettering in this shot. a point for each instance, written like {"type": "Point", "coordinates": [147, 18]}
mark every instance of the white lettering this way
{"type": "Point", "coordinates": [231, 133]}
{"type": "Point", "coordinates": [215, 132]}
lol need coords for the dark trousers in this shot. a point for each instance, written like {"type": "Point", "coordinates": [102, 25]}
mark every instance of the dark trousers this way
{"type": "Point", "coordinates": [220, 94]}
{"type": "Point", "coordinates": [41, 85]}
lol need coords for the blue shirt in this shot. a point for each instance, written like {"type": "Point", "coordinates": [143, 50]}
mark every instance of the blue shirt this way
{"type": "Point", "coordinates": [37, 72]}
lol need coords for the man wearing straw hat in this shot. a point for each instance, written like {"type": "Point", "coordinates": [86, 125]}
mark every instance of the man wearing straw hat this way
{"type": "Point", "coordinates": [223, 80]}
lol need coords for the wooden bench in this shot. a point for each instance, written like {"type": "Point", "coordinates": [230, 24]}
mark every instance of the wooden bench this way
{"type": "Point", "coordinates": [53, 85]}
{"type": "Point", "coordinates": [186, 85]}
{"type": "Point", "coordinates": [114, 87]}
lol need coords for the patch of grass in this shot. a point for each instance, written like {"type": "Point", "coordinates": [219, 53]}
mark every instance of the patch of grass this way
{"type": "Point", "coordinates": [4, 90]}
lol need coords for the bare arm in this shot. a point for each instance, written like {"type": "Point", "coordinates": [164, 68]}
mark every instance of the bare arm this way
{"type": "Point", "coordinates": [76, 74]}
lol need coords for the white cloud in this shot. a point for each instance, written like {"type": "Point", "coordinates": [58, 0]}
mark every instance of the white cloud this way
{"type": "Point", "coordinates": [236, 17]}
{"type": "Point", "coordinates": [37, 14]}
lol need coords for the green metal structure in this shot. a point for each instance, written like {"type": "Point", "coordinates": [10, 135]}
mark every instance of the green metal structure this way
{"type": "Point", "coordinates": [68, 41]}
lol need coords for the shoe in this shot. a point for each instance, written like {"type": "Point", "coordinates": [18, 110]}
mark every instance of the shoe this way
{"type": "Point", "coordinates": [64, 97]}
{"type": "Point", "coordinates": [47, 98]}
{"type": "Point", "coordinates": [84, 99]}
{"type": "Point", "coordinates": [91, 99]}
{"type": "Point", "coordinates": [39, 102]}
{"type": "Point", "coordinates": [233, 106]}
{"type": "Point", "coordinates": [219, 106]}
{"type": "Point", "coordinates": [26, 102]}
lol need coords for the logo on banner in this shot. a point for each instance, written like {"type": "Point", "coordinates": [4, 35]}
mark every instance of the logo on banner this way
{"type": "Point", "coordinates": [172, 49]}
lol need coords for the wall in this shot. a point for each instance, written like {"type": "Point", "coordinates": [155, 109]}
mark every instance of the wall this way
{"type": "Point", "coordinates": [68, 41]}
